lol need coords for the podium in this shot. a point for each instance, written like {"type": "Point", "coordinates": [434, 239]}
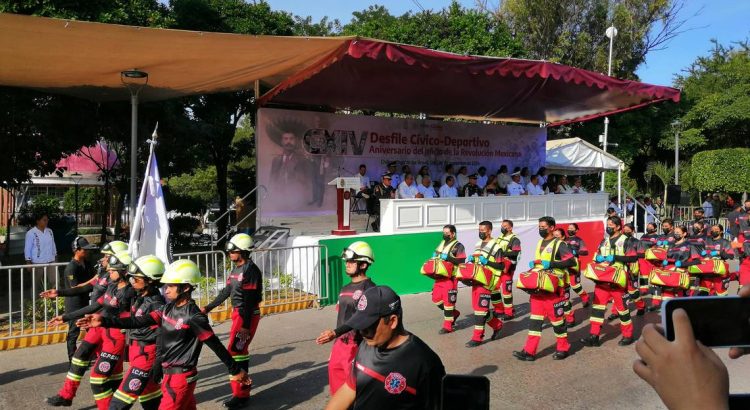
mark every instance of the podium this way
{"type": "Point", "coordinates": [344, 185]}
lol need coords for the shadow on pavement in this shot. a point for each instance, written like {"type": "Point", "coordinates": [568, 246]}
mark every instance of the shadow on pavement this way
{"type": "Point", "coordinates": [294, 391]}
{"type": "Point", "coordinates": [57, 368]}
{"type": "Point", "coordinates": [484, 370]}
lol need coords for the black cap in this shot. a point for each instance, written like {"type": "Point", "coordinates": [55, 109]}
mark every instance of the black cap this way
{"type": "Point", "coordinates": [387, 175]}
{"type": "Point", "coordinates": [473, 176]}
{"type": "Point", "coordinates": [82, 243]}
{"type": "Point", "coordinates": [376, 302]}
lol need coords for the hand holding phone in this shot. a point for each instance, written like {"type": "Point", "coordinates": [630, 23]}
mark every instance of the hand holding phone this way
{"type": "Point", "coordinates": [717, 321]}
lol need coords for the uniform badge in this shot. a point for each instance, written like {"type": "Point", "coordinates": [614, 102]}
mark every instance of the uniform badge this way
{"type": "Point", "coordinates": [357, 294]}
{"type": "Point", "coordinates": [104, 367]}
{"type": "Point", "coordinates": [71, 277]}
{"type": "Point", "coordinates": [134, 385]}
{"type": "Point", "coordinates": [395, 383]}
{"type": "Point", "coordinates": [139, 312]}
{"type": "Point", "coordinates": [113, 301]}
{"type": "Point", "coordinates": [362, 304]}
{"type": "Point", "coordinates": [179, 323]}
{"type": "Point", "coordinates": [483, 302]}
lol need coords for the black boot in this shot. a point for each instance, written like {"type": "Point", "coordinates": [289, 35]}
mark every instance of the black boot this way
{"type": "Point", "coordinates": [558, 355]}
{"type": "Point", "coordinates": [236, 402]}
{"type": "Point", "coordinates": [496, 334]}
{"type": "Point", "coordinates": [473, 343]}
{"type": "Point", "coordinates": [524, 356]}
{"type": "Point", "coordinates": [625, 341]}
{"type": "Point", "coordinates": [57, 401]}
{"type": "Point", "coordinates": [591, 341]}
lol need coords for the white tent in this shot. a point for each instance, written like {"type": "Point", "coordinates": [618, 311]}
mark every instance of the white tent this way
{"type": "Point", "coordinates": [574, 156]}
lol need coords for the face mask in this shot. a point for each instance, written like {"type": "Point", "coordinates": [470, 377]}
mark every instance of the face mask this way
{"type": "Point", "coordinates": [628, 234]}
{"type": "Point", "coordinates": [696, 229]}
{"type": "Point", "coordinates": [610, 231]}
{"type": "Point", "coordinates": [667, 231]}
{"type": "Point", "coordinates": [715, 234]}
{"type": "Point", "coordinates": [543, 233]}
{"type": "Point", "coordinates": [651, 230]}
{"type": "Point", "coordinates": [482, 235]}
{"type": "Point", "coordinates": [446, 238]}
{"type": "Point", "coordinates": [571, 233]}
{"type": "Point", "coordinates": [677, 236]}
{"type": "Point", "coordinates": [503, 231]}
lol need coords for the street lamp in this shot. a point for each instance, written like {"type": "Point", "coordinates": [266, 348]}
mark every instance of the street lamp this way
{"type": "Point", "coordinates": [611, 33]}
{"type": "Point", "coordinates": [134, 80]}
{"type": "Point", "coordinates": [676, 128]}
{"type": "Point", "coordinates": [76, 177]}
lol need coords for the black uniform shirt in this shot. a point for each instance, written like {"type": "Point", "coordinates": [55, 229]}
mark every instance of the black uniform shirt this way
{"type": "Point", "coordinates": [75, 274]}
{"type": "Point", "coordinates": [721, 245]}
{"type": "Point", "coordinates": [577, 246]}
{"type": "Point", "coordinates": [347, 305]}
{"type": "Point", "coordinates": [99, 284]}
{"type": "Point", "coordinates": [142, 306]}
{"type": "Point", "coordinates": [684, 252]}
{"type": "Point", "coordinates": [406, 377]}
{"type": "Point", "coordinates": [115, 302]}
{"type": "Point", "coordinates": [647, 241]}
{"type": "Point", "coordinates": [245, 286]}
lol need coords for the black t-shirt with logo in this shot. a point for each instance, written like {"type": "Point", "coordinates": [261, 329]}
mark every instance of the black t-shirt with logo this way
{"type": "Point", "coordinates": [245, 287]}
{"type": "Point", "coordinates": [347, 305]}
{"type": "Point", "coordinates": [76, 273]}
{"type": "Point", "coordinates": [408, 376]}
{"type": "Point", "coordinates": [142, 306]}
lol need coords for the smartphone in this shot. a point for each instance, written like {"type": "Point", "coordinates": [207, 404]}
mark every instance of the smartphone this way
{"type": "Point", "coordinates": [718, 321]}
{"type": "Point", "coordinates": [465, 392]}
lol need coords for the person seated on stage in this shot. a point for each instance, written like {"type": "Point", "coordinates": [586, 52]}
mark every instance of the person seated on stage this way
{"type": "Point", "coordinates": [408, 189]}
{"type": "Point", "coordinates": [542, 174]}
{"type": "Point", "coordinates": [564, 188]}
{"type": "Point", "coordinates": [471, 188]}
{"type": "Point", "coordinates": [364, 182]}
{"type": "Point", "coordinates": [395, 177]}
{"type": "Point", "coordinates": [533, 187]}
{"type": "Point", "coordinates": [515, 187]}
{"type": "Point", "coordinates": [405, 170]}
{"type": "Point", "coordinates": [383, 190]}
{"type": "Point", "coordinates": [448, 190]}
{"type": "Point", "coordinates": [482, 177]}
{"type": "Point", "coordinates": [525, 176]}
{"type": "Point", "coordinates": [425, 170]}
{"type": "Point", "coordinates": [578, 186]}
{"type": "Point", "coordinates": [426, 189]}
{"type": "Point", "coordinates": [448, 173]}
{"type": "Point", "coordinates": [551, 186]}
{"type": "Point", "coordinates": [462, 178]}
{"type": "Point", "coordinates": [492, 189]}
{"type": "Point", "coordinates": [503, 179]}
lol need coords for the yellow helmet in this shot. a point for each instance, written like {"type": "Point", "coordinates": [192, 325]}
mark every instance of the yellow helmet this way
{"type": "Point", "coordinates": [181, 271]}
{"type": "Point", "coordinates": [120, 261]}
{"type": "Point", "coordinates": [114, 247]}
{"type": "Point", "coordinates": [147, 266]}
{"type": "Point", "coordinates": [241, 241]}
{"type": "Point", "coordinates": [358, 251]}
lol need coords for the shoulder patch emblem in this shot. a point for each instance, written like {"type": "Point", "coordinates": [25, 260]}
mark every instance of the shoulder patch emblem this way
{"type": "Point", "coordinates": [395, 383]}
{"type": "Point", "coordinates": [362, 304]}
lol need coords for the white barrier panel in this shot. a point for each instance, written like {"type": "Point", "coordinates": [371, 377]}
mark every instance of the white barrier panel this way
{"type": "Point", "coordinates": [419, 215]}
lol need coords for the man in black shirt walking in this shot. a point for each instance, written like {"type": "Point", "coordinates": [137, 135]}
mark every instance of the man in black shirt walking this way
{"type": "Point", "coordinates": [393, 369]}
{"type": "Point", "coordinates": [76, 273]}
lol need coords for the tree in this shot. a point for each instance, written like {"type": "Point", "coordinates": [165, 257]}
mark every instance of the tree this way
{"type": "Point", "coordinates": [192, 192]}
{"type": "Point", "coordinates": [711, 170]}
{"type": "Point", "coordinates": [89, 200]}
{"type": "Point", "coordinates": [661, 171]}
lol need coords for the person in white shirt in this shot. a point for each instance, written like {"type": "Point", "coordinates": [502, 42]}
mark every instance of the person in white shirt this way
{"type": "Point", "coordinates": [525, 177]}
{"type": "Point", "coordinates": [364, 180]}
{"type": "Point", "coordinates": [515, 188]}
{"type": "Point", "coordinates": [708, 207]}
{"type": "Point", "coordinates": [463, 177]}
{"type": "Point", "coordinates": [482, 177]}
{"type": "Point", "coordinates": [448, 190]}
{"type": "Point", "coordinates": [425, 170]}
{"type": "Point", "coordinates": [405, 170]}
{"type": "Point", "coordinates": [564, 188]}
{"type": "Point", "coordinates": [448, 172]}
{"type": "Point", "coordinates": [426, 189]}
{"type": "Point", "coordinates": [503, 179]}
{"type": "Point", "coordinates": [533, 187]}
{"type": "Point", "coordinates": [40, 242]}
{"type": "Point", "coordinates": [578, 186]}
{"type": "Point", "coordinates": [408, 189]}
{"type": "Point", "coordinates": [613, 205]}
{"type": "Point", "coordinates": [542, 174]}
{"type": "Point", "coordinates": [395, 177]}
{"type": "Point", "coordinates": [650, 211]}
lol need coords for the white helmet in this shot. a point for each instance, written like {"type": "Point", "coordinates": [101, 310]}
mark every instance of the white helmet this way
{"type": "Point", "coordinates": [358, 251]}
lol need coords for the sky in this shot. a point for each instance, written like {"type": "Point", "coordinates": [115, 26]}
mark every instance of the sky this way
{"type": "Point", "coordinates": [724, 20]}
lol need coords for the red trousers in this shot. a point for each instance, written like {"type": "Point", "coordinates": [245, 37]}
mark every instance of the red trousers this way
{"type": "Point", "coordinates": [238, 348]}
{"type": "Point", "coordinates": [602, 294]}
{"type": "Point", "coordinates": [340, 363]}
{"type": "Point", "coordinates": [744, 273]}
{"type": "Point", "coordinates": [575, 284]}
{"type": "Point", "coordinates": [714, 286]}
{"type": "Point", "coordinates": [506, 290]}
{"type": "Point", "coordinates": [644, 268]}
{"type": "Point", "coordinates": [89, 347]}
{"type": "Point", "coordinates": [550, 306]}
{"type": "Point", "coordinates": [177, 390]}
{"type": "Point", "coordinates": [481, 301]}
{"type": "Point", "coordinates": [444, 295]}
{"type": "Point", "coordinates": [138, 384]}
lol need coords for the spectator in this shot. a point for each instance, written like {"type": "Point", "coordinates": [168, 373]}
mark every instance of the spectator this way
{"type": "Point", "coordinates": [426, 189]}
{"type": "Point", "coordinates": [525, 177]}
{"type": "Point", "coordinates": [395, 177]}
{"type": "Point", "coordinates": [542, 174]}
{"type": "Point", "coordinates": [364, 181]}
{"type": "Point", "coordinates": [515, 187]}
{"type": "Point", "coordinates": [482, 177]}
{"type": "Point", "coordinates": [405, 170]}
{"type": "Point", "coordinates": [733, 217]}
{"type": "Point", "coordinates": [650, 211]}
{"type": "Point", "coordinates": [503, 179]}
{"type": "Point", "coordinates": [448, 172]}
{"type": "Point", "coordinates": [471, 188]}
{"type": "Point", "coordinates": [564, 188]}
{"type": "Point", "coordinates": [613, 205]}
{"type": "Point", "coordinates": [40, 242]}
{"type": "Point", "coordinates": [491, 189]}
{"type": "Point", "coordinates": [533, 187]}
{"type": "Point", "coordinates": [243, 220]}
{"type": "Point", "coordinates": [408, 189]}
{"type": "Point", "coordinates": [384, 190]}
{"type": "Point", "coordinates": [659, 208]}
{"type": "Point", "coordinates": [578, 186]}
{"type": "Point", "coordinates": [708, 207]}
{"type": "Point", "coordinates": [448, 190]}
{"type": "Point", "coordinates": [611, 212]}
{"type": "Point", "coordinates": [551, 186]}
{"type": "Point", "coordinates": [425, 170]}
{"type": "Point", "coordinates": [463, 177]}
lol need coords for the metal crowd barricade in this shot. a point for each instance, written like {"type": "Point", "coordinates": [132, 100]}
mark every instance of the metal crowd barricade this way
{"type": "Point", "coordinates": [214, 266]}
{"type": "Point", "coordinates": [22, 311]}
{"type": "Point", "coordinates": [293, 274]}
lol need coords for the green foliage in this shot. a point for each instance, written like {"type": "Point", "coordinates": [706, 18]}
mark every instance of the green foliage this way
{"type": "Point", "coordinates": [455, 29]}
{"type": "Point", "coordinates": [718, 170]}
{"type": "Point", "coordinates": [42, 309]}
{"type": "Point", "coordinates": [42, 203]}
{"type": "Point", "coordinates": [200, 186]}
{"type": "Point", "coordinates": [90, 199]}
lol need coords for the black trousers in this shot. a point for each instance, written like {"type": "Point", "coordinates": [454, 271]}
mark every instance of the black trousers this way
{"type": "Point", "coordinates": [72, 337]}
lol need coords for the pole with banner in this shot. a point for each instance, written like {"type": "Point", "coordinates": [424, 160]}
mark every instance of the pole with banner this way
{"type": "Point", "coordinates": [344, 185]}
{"type": "Point", "coordinates": [149, 233]}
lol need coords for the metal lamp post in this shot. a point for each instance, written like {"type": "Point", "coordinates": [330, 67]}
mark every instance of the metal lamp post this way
{"type": "Point", "coordinates": [610, 33]}
{"type": "Point", "coordinates": [134, 80]}
{"type": "Point", "coordinates": [676, 128]}
{"type": "Point", "coordinates": [76, 177]}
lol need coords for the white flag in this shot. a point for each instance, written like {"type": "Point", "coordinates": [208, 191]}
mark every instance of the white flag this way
{"type": "Point", "coordinates": [149, 232]}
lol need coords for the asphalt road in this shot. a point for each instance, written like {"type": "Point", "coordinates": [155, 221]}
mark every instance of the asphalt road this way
{"type": "Point", "coordinates": [289, 369]}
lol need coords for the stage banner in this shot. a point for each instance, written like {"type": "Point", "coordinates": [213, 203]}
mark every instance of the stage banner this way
{"type": "Point", "coordinates": [299, 152]}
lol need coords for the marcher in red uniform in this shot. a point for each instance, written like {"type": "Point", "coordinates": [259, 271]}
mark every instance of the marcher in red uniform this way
{"type": "Point", "coordinates": [143, 274]}
{"type": "Point", "coordinates": [577, 248]}
{"type": "Point", "coordinates": [568, 313]}
{"type": "Point", "coordinates": [717, 248]}
{"type": "Point", "coordinates": [510, 246]}
{"type": "Point", "coordinates": [634, 294]}
{"type": "Point", "coordinates": [488, 254]}
{"type": "Point", "coordinates": [555, 255]}
{"type": "Point", "coordinates": [665, 240]}
{"type": "Point", "coordinates": [358, 257]}
{"type": "Point", "coordinates": [647, 241]}
{"type": "Point", "coordinates": [245, 287]}
{"type": "Point", "coordinates": [183, 331]}
{"type": "Point", "coordinates": [743, 224]}
{"type": "Point", "coordinates": [444, 291]}
{"type": "Point", "coordinates": [393, 369]}
{"type": "Point", "coordinates": [106, 373]}
{"type": "Point", "coordinates": [680, 255]}
{"type": "Point", "coordinates": [743, 250]}
{"type": "Point", "coordinates": [617, 250]}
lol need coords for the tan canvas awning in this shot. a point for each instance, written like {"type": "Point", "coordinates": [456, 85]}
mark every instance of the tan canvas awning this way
{"type": "Point", "coordinates": [85, 59]}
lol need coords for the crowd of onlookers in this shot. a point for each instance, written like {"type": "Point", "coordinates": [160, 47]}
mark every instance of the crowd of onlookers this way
{"type": "Point", "coordinates": [460, 183]}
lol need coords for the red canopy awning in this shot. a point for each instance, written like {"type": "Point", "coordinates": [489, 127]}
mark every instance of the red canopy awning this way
{"type": "Point", "coordinates": [381, 76]}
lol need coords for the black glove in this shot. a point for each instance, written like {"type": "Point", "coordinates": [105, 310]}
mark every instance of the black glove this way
{"type": "Point", "coordinates": [157, 373]}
